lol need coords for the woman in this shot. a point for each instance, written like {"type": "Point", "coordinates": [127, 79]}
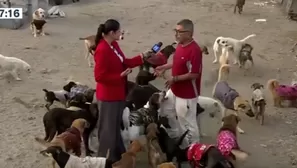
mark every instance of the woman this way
{"type": "Point", "coordinates": [111, 70]}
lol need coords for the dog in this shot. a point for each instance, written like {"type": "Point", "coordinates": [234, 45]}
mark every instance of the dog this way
{"type": "Point", "coordinates": [245, 54]}
{"type": "Point", "coordinates": [227, 140]}
{"type": "Point", "coordinates": [155, 154]}
{"type": "Point", "coordinates": [75, 1]}
{"type": "Point", "coordinates": [74, 88]}
{"type": "Point", "coordinates": [135, 122]}
{"type": "Point", "coordinates": [229, 42]}
{"type": "Point", "coordinates": [229, 97]}
{"type": "Point", "coordinates": [38, 22]}
{"type": "Point", "coordinates": [51, 96]}
{"type": "Point", "coordinates": [57, 120]}
{"type": "Point", "coordinates": [239, 4]}
{"type": "Point", "coordinates": [224, 58]}
{"type": "Point", "coordinates": [258, 101]}
{"type": "Point", "coordinates": [129, 158]}
{"type": "Point", "coordinates": [204, 155]}
{"type": "Point", "coordinates": [12, 66]}
{"type": "Point", "coordinates": [65, 160]}
{"type": "Point", "coordinates": [90, 46]}
{"type": "Point", "coordinates": [282, 92]}
{"type": "Point", "coordinates": [70, 140]}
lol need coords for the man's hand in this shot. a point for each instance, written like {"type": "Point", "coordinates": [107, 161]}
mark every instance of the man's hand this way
{"type": "Point", "coordinates": [126, 72]}
{"type": "Point", "coordinates": [159, 71]}
{"type": "Point", "coordinates": [170, 81]}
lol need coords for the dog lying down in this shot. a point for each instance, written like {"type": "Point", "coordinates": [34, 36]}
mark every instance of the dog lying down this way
{"type": "Point", "coordinates": [12, 66]}
{"type": "Point", "coordinates": [65, 160]}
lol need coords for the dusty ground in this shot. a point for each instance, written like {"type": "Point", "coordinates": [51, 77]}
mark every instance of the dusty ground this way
{"type": "Point", "coordinates": [56, 57]}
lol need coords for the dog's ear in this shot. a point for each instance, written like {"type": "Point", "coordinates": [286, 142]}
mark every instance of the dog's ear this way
{"type": "Point", "coordinates": [36, 13]}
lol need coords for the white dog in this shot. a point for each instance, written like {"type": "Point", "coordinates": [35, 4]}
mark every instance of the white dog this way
{"type": "Point", "coordinates": [13, 65]}
{"type": "Point", "coordinates": [229, 42]}
{"type": "Point", "coordinates": [38, 22]}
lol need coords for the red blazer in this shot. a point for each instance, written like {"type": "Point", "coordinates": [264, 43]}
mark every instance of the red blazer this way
{"type": "Point", "coordinates": [108, 67]}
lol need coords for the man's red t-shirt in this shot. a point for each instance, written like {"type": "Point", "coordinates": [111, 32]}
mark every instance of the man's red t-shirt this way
{"type": "Point", "coordinates": [187, 59]}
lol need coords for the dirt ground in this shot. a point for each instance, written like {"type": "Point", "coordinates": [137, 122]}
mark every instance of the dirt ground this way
{"type": "Point", "coordinates": [60, 55]}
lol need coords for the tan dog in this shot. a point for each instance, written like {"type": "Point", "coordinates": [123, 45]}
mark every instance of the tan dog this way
{"type": "Point", "coordinates": [258, 101]}
{"type": "Point", "coordinates": [224, 58]}
{"type": "Point", "coordinates": [282, 92]}
{"type": "Point", "coordinates": [167, 165]}
{"type": "Point", "coordinates": [38, 22]}
{"type": "Point", "coordinates": [129, 158]}
{"type": "Point", "coordinates": [229, 97]}
{"type": "Point", "coordinates": [70, 140]}
{"type": "Point", "coordinates": [227, 140]}
{"type": "Point", "coordinates": [155, 154]}
{"type": "Point", "coordinates": [91, 46]}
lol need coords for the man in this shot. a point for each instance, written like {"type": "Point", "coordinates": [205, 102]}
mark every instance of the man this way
{"type": "Point", "coordinates": [185, 81]}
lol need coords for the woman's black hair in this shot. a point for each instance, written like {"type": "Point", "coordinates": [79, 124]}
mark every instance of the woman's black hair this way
{"type": "Point", "coordinates": [109, 25]}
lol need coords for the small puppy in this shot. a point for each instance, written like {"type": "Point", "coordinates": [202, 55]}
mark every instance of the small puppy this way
{"type": "Point", "coordinates": [155, 154]}
{"type": "Point", "coordinates": [38, 22]}
{"type": "Point", "coordinates": [129, 158]}
{"type": "Point", "coordinates": [90, 46]}
{"type": "Point", "coordinates": [12, 66]}
{"type": "Point", "coordinates": [227, 140]}
{"type": "Point", "coordinates": [239, 4]}
{"type": "Point", "coordinates": [65, 160]}
{"type": "Point", "coordinates": [70, 140]}
{"type": "Point", "coordinates": [221, 42]}
{"type": "Point", "coordinates": [258, 101]}
{"type": "Point", "coordinates": [166, 165]}
{"type": "Point", "coordinates": [51, 96]}
{"type": "Point", "coordinates": [282, 92]}
{"type": "Point", "coordinates": [229, 97]}
{"type": "Point", "coordinates": [245, 54]}
{"type": "Point", "coordinates": [224, 58]}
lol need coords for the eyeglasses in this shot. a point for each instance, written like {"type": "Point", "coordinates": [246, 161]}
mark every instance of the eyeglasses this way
{"type": "Point", "coordinates": [180, 31]}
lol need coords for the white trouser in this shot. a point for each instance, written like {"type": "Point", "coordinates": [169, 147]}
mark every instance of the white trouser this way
{"type": "Point", "coordinates": [185, 112]}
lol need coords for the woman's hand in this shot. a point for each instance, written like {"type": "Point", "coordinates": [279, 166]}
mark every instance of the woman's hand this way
{"type": "Point", "coordinates": [126, 72]}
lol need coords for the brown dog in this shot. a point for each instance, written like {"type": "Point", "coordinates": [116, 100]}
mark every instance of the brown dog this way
{"type": "Point", "coordinates": [227, 140]}
{"type": "Point", "coordinates": [91, 46]}
{"type": "Point", "coordinates": [129, 158]}
{"type": "Point", "coordinates": [70, 140]}
{"type": "Point", "coordinates": [167, 165]}
{"type": "Point", "coordinates": [155, 154]}
{"type": "Point", "coordinates": [229, 97]}
{"type": "Point", "coordinates": [258, 101]}
{"type": "Point", "coordinates": [239, 4]}
{"type": "Point", "coordinates": [282, 92]}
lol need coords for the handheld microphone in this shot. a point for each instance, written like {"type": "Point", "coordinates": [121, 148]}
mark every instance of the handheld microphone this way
{"type": "Point", "coordinates": [156, 48]}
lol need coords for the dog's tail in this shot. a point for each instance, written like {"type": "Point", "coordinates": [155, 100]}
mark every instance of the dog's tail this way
{"type": "Point", "coordinates": [224, 72]}
{"type": "Point", "coordinates": [42, 142]}
{"type": "Point", "coordinates": [247, 37]}
{"type": "Point", "coordinates": [272, 84]}
{"type": "Point", "coordinates": [181, 139]}
{"type": "Point", "coordinates": [46, 91]}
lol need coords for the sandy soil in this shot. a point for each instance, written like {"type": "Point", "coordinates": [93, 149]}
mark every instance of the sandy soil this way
{"type": "Point", "coordinates": [59, 55]}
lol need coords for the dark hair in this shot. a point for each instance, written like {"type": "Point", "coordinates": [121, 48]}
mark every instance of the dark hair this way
{"type": "Point", "coordinates": [187, 24]}
{"type": "Point", "coordinates": [108, 26]}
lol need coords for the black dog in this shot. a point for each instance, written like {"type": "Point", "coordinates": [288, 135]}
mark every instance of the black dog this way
{"type": "Point", "coordinates": [62, 158]}
{"type": "Point", "coordinates": [57, 120]}
{"type": "Point", "coordinates": [51, 96]}
{"type": "Point", "coordinates": [245, 54]}
{"type": "Point", "coordinates": [239, 4]}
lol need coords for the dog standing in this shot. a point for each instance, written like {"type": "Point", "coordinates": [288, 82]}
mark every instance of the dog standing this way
{"type": "Point", "coordinates": [258, 101]}
{"type": "Point", "coordinates": [70, 140]}
{"type": "Point", "coordinates": [229, 42]}
{"type": "Point", "coordinates": [239, 4]}
{"type": "Point", "coordinates": [12, 66]}
{"type": "Point", "coordinates": [227, 140]}
{"type": "Point", "coordinates": [155, 154]}
{"type": "Point", "coordinates": [38, 22]}
{"type": "Point", "coordinates": [51, 96]}
{"type": "Point", "coordinates": [245, 54]}
{"type": "Point", "coordinates": [229, 97]}
{"type": "Point", "coordinates": [282, 92]}
{"type": "Point", "coordinates": [90, 46]}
